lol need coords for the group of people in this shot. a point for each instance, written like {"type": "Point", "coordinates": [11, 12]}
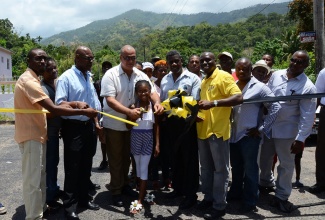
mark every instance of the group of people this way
{"type": "Point", "coordinates": [228, 138]}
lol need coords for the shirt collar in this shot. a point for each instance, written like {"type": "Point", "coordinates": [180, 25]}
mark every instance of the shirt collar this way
{"type": "Point", "coordinates": [299, 77]}
{"type": "Point", "coordinates": [79, 72]}
{"type": "Point", "coordinates": [121, 71]}
{"type": "Point", "coordinates": [33, 73]}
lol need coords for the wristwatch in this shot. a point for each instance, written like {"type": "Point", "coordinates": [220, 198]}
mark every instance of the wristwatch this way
{"type": "Point", "coordinates": [215, 103]}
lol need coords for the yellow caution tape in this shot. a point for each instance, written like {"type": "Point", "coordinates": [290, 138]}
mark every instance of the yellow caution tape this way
{"type": "Point", "coordinates": [33, 111]}
{"type": "Point", "coordinates": [119, 119]}
{"type": "Point", "coordinates": [15, 110]}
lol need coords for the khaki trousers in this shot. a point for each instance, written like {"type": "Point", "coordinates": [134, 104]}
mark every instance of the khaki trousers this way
{"type": "Point", "coordinates": [34, 179]}
{"type": "Point", "coordinates": [118, 154]}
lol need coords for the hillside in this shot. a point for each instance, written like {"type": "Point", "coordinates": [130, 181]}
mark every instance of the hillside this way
{"type": "Point", "coordinates": [134, 24]}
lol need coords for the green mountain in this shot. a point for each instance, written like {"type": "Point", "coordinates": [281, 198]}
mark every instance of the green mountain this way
{"type": "Point", "coordinates": [135, 24]}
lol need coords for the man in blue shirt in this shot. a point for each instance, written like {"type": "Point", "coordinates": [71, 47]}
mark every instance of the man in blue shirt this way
{"type": "Point", "coordinates": [75, 88]}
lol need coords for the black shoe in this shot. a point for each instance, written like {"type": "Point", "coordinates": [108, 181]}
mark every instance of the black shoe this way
{"type": "Point", "coordinates": [54, 205]}
{"type": "Point", "coordinates": [204, 205]}
{"type": "Point", "coordinates": [266, 189]}
{"type": "Point", "coordinates": [117, 200]}
{"type": "Point", "coordinates": [127, 190]}
{"type": "Point", "coordinates": [283, 205]}
{"type": "Point", "coordinates": [173, 195]}
{"type": "Point", "coordinates": [90, 205]}
{"type": "Point", "coordinates": [215, 214]}
{"type": "Point", "coordinates": [71, 215]}
{"type": "Point", "coordinates": [248, 208]}
{"type": "Point", "coordinates": [315, 189]}
{"type": "Point", "coordinates": [103, 165]}
{"type": "Point", "coordinates": [188, 202]}
{"type": "Point", "coordinates": [94, 186]}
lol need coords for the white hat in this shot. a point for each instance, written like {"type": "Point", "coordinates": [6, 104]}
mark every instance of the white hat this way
{"type": "Point", "coordinates": [262, 63]}
{"type": "Point", "coordinates": [226, 54]}
{"type": "Point", "coordinates": [146, 65]}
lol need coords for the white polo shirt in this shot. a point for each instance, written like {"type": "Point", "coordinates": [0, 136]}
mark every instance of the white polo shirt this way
{"type": "Point", "coordinates": [116, 83]}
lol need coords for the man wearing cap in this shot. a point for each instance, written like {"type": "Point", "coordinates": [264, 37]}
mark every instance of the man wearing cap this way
{"type": "Point", "coordinates": [218, 93]}
{"type": "Point", "coordinates": [290, 129]}
{"type": "Point", "coordinates": [261, 71]}
{"type": "Point", "coordinates": [226, 61]}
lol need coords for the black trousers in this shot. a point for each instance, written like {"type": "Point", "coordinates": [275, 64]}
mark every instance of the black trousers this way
{"type": "Point", "coordinates": [184, 155]}
{"type": "Point", "coordinates": [79, 149]}
{"type": "Point", "coordinates": [320, 150]}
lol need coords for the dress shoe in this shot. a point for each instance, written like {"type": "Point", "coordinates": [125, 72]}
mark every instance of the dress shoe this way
{"type": "Point", "coordinates": [214, 214]}
{"type": "Point", "coordinates": [71, 215]}
{"type": "Point", "coordinates": [90, 205]}
{"type": "Point", "coordinates": [204, 205]}
{"type": "Point", "coordinates": [315, 189]}
{"type": "Point", "coordinates": [117, 200]}
{"type": "Point", "coordinates": [103, 165]}
{"type": "Point", "coordinates": [173, 195]}
{"type": "Point", "coordinates": [94, 186]}
{"type": "Point", "coordinates": [127, 190]}
{"type": "Point", "coordinates": [54, 205]}
{"type": "Point", "coordinates": [188, 202]}
{"type": "Point", "coordinates": [247, 208]}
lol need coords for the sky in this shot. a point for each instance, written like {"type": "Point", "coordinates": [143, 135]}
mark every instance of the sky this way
{"type": "Point", "coordinates": [48, 17]}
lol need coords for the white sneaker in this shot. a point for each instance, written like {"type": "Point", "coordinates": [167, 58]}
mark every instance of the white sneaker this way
{"type": "Point", "coordinates": [3, 209]}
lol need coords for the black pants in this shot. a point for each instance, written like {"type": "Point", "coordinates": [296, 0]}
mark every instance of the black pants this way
{"type": "Point", "coordinates": [79, 149]}
{"type": "Point", "coordinates": [184, 155]}
{"type": "Point", "coordinates": [320, 150]}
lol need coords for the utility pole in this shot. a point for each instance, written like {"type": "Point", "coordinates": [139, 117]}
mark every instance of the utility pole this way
{"type": "Point", "coordinates": [318, 6]}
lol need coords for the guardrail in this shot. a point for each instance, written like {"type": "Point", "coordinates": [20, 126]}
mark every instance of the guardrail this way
{"type": "Point", "coordinates": [7, 87]}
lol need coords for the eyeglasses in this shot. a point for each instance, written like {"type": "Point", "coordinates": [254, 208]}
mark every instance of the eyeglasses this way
{"type": "Point", "coordinates": [39, 58]}
{"type": "Point", "coordinates": [90, 59]}
{"type": "Point", "coordinates": [298, 62]}
{"type": "Point", "coordinates": [127, 58]}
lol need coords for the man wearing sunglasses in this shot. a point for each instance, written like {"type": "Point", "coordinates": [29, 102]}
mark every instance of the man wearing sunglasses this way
{"type": "Point", "coordinates": [118, 92]}
{"type": "Point", "coordinates": [291, 128]}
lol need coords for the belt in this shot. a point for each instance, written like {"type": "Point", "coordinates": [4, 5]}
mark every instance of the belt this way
{"type": "Point", "coordinates": [78, 122]}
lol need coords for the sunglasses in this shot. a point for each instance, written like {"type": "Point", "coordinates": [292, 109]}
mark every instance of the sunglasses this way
{"type": "Point", "coordinates": [127, 58]}
{"type": "Point", "coordinates": [90, 59]}
{"type": "Point", "coordinates": [299, 62]}
{"type": "Point", "coordinates": [39, 58]}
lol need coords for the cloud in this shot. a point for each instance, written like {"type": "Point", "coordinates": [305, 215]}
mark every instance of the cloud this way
{"type": "Point", "coordinates": [47, 17]}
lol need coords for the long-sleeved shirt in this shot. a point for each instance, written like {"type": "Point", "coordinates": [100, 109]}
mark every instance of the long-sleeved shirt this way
{"type": "Point", "coordinates": [246, 116]}
{"type": "Point", "coordinates": [320, 84]}
{"type": "Point", "coordinates": [296, 117]}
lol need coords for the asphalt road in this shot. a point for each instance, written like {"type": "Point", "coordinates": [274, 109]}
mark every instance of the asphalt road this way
{"type": "Point", "coordinates": [11, 192]}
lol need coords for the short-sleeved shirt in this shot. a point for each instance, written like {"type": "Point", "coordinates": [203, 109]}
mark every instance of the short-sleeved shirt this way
{"type": "Point", "coordinates": [187, 81]}
{"type": "Point", "coordinates": [117, 84]}
{"type": "Point", "coordinates": [53, 124]}
{"type": "Point", "coordinates": [28, 92]}
{"type": "Point", "coordinates": [219, 85]}
{"type": "Point", "coordinates": [73, 86]}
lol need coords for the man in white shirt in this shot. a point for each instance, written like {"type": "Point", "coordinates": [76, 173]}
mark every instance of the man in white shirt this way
{"type": "Point", "coordinates": [291, 128]}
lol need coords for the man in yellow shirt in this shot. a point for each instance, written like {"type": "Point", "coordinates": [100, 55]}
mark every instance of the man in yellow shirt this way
{"type": "Point", "coordinates": [218, 93]}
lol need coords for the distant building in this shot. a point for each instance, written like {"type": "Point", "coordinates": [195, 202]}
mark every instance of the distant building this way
{"type": "Point", "coordinates": [5, 64]}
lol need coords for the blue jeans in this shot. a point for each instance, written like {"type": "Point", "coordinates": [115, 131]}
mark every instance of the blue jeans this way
{"type": "Point", "coordinates": [52, 161]}
{"type": "Point", "coordinates": [214, 159]}
{"type": "Point", "coordinates": [245, 171]}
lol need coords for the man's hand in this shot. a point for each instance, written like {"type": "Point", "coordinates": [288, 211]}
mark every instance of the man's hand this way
{"type": "Point", "coordinates": [82, 105]}
{"type": "Point", "coordinates": [90, 112]}
{"type": "Point", "coordinates": [158, 108]}
{"type": "Point", "coordinates": [134, 114]}
{"type": "Point", "coordinates": [204, 104]}
{"type": "Point", "coordinates": [157, 151]}
{"type": "Point", "coordinates": [297, 147]}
